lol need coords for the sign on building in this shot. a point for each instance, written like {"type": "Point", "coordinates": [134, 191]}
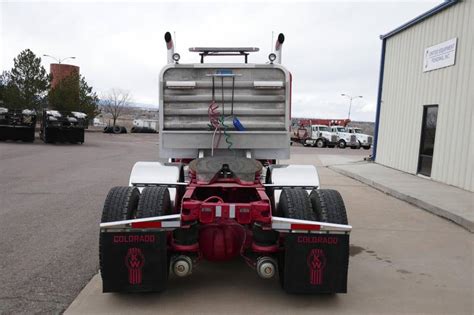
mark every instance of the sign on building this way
{"type": "Point", "coordinates": [440, 55]}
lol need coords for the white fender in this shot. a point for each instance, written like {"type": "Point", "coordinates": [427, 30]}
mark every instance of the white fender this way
{"type": "Point", "coordinates": [155, 173]}
{"type": "Point", "coordinates": [293, 175]}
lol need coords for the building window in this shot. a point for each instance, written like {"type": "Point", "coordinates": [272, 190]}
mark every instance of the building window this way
{"type": "Point", "coordinates": [428, 133]}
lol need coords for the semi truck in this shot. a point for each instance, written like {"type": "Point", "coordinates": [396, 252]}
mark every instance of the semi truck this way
{"type": "Point", "coordinates": [365, 141]}
{"type": "Point", "coordinates": [315, 135]}
{"type": "Point", "coordinates": [62, 126]}
{"type": "Point", "coordinates": [344, 138]}
{"type": "Point", "coordinates": [17, 124]}
{"type": "Point", "coordinates": [222, 195]}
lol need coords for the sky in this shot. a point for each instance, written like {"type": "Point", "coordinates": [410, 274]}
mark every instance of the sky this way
{"type": "Point", "coordinates": [331, 47]}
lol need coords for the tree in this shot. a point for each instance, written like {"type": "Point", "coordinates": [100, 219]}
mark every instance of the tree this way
{"type": "Point", "coordinates": [74, 94]}
{"type": "Point", "coordinates": [88, 100]}
{"type": "Point", "coordinates": [28, 82]}
{"type": "Point", "coordinates": [116, 102]}
{"type": "Point", "coordinates": [4, 87]}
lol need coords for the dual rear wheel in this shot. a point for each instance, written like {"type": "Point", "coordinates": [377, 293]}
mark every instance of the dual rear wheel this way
{"type": "Point", "coordinates": [125, 203]}
{"type": "Point", "coordinates": [322, 205]}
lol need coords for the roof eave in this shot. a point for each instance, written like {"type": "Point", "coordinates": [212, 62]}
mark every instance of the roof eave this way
{"type": "Point", "coordinates": [420, 18]}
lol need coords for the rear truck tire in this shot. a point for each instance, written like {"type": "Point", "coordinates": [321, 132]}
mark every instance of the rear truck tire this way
{"type": "Point", "coordinates": [341, 144]}
{"type": "Point", "coordinates": [120, 204]}
{"type": "Point", "coordinates": [317, 263]}
{"type": "Point", "coordinates": [367, 147]}
{"type": "Point", "coordinates": [154, 202]}
{"type": "Point", "coordinates": [328, 206]}
{"type": "Point", "coordinates": [320, 143]}
{"type": "Point", "coordinates": [295, 204]}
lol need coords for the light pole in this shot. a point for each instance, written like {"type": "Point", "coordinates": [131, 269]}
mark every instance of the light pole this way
{"type": "Point", "coordinates": [350, 102]}
{"type": "Point", "coordinates": [59, 60]}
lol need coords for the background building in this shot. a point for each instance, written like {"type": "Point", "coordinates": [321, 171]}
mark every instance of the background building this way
{"type": "Point", "coordinates": [426, 96]}
{"type": "Point", "coordinates": [60, 71]}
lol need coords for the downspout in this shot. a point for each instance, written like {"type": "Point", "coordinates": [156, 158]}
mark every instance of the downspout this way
{"type": "Point", "coordinates": [379, 99]}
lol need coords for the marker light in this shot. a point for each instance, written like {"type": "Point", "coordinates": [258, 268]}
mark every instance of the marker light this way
{"type": "Point", "coordinates": [176, 57]}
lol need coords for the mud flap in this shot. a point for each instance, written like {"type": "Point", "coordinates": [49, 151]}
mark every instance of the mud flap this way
{"type": "Point", "coordinates": [315, 263]}
{"type": "Point", "coordinates": [134, 262]}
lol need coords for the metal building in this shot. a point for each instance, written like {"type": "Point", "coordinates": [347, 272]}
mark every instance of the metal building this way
{"type": "Point", "coordinates": [424, 120]}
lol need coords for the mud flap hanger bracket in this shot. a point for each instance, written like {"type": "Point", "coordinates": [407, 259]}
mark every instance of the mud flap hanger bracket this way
{"type": "Point", "coordinates": [171, 222]}
{"type": "Point", "coordinates": [166, 222]}
{"type": "Point", "coordinates": [304, 226]}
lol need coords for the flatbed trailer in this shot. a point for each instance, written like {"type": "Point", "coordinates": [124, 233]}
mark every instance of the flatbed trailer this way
{"type": "Point", "coordinates": [222, 196]}
{"type": "Point", "coordinates": [17, 124]}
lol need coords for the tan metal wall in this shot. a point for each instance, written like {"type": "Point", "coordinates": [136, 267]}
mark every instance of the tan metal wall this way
{"type": "Point", "coordinates": [406, 89]}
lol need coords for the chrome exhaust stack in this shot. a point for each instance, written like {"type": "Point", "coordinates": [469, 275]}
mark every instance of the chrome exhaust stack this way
{"type": "Point", "coordinates": [266, 267]}
{"type": "Point", "coordinates": [172, 57]}
{"type": "Point", "coordinates": [278, 47]}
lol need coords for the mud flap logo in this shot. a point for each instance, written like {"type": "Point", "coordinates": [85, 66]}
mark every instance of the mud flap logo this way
{"type": "Point", "coordinates": [316, 262]}
{"type": "Point", "coordinates": [134, 260]}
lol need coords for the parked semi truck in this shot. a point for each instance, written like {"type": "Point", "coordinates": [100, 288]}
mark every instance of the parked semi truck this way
{"type": "Point", "coordinates": [316, 136]}
{"type": "Point", "coordinates": [62, 126]}
{"type": "Point", "coordinates": [344, 138]}
{"type": "Point", "coordinates": [17, 124]}
{"type": "Point", "coordinates": [365, 141]}
{"type": "Point", "coordinates": [222, 196]}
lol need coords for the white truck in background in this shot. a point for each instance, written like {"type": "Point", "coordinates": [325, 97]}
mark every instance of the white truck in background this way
{"type": "Point", "coordinates": [365, 140]}
{"type": "Point", "coordinates": [344, 138]}
{"type": "Point", "coordinates": [316, 136]}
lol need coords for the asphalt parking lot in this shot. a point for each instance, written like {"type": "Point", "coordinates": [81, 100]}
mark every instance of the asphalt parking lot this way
{"type": "Point", "coordinates": [403, 260]}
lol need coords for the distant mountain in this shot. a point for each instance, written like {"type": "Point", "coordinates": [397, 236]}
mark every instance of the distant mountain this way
{"type": "Point", "coordinates": [136, 105]}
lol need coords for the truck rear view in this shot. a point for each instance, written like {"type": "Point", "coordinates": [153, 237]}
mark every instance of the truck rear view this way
{"type": "Point", "coordinates": [222, 196]}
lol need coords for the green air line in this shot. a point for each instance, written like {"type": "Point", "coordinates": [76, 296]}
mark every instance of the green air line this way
{"type": "Point", "coordinates": [226, 134]}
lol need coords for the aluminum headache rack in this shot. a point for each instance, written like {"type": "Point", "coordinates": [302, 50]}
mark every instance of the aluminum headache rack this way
{"type": "Point", "coordinates": [257, 95]}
